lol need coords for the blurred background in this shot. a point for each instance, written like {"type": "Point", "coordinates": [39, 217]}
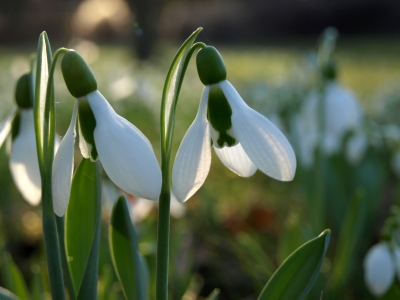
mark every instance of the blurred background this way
{"type": "Point", "coordinates": [234, 232]}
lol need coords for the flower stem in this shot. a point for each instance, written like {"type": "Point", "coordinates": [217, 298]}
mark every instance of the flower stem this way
{"type": "Point", "coordinates": [51, 239]}
{"type": "Point", "coordinates": [168, 107]}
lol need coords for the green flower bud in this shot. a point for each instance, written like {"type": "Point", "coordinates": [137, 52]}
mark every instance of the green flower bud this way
{"type": "Point", "coordinates": [329, 70]}
{"type": "Point", "coordinates": [77, 75]}
{"type": "Point", "coordinates": [210, 66]}
{"type": "Point", "coordinates": [22, 92]}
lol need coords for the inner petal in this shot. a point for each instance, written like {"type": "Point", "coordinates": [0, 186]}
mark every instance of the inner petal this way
{"type": "Point", "coordinates": [219, 115]}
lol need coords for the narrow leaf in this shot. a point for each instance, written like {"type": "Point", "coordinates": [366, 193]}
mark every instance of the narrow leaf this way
{"type": "Point", "coordinates": [172, 87]}
{"type": "Point", "coordinates": [7, 295]}
{"type": "Point", "coordinates": [349, 238]}
{"type": "Point", "coordinates": [297, 274]}
{"type": "Point", "coordinates": [125, 253]}
{"type": "Point", "coordinates": [82, 229]}
{"type": "Point", "coordinates": [214, 295]}
{"type": "Point", "coordinates": [15, 282]}
{"type": "Point", "coordinates": [44, 59]}
{"type": "Point", "coordinates": [37, 289]}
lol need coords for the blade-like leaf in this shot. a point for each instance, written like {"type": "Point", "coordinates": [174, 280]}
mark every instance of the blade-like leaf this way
{"type": "Point", "coordinates": [37, 289]}
{"type": "Point", "coordinates": [172, 87]}
{"type": "Point", "coordinates": [214, 295]}
{"type": "Point", "coordinates": [350, 234]}
{"type": "Point", "coordinates": [44, 59]}
{"type": "Point", "coordinates": [297, 274]}
{"type": "Point", "coordinates": [7, 295]}
{"type": "Point", "coordinates": [125, 253]}
{"type": "Point", "coordinates": [82, 229]}
{"type": "Point", "coordinates": [15, 281]}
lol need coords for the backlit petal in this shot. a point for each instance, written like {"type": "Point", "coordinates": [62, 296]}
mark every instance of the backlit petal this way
{"type": "Point", "coordinates": [193, 160]}
{"type": "Point", "coordinates": [236, 160]}
{"type": "Point", "coordinates": [263, 142]}
{"type": "Point", "coordinates": [24, 161]}
{"type": "Point", "coordinates": [5, 126]}
{"type": "Point", "coordinates": [63, 168]}
{"type": "Point", "coordinates": [379, 269]}
{"type": "Point", "coordinates": [126, 155]}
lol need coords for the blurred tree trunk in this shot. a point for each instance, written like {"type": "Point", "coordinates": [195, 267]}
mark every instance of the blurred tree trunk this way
{"type": "Point", "coordinates": [147, 13]}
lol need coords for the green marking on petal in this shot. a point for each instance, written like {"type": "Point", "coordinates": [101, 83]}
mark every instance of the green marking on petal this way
{"type": "Point", "coordinates": [219, 114]}
{"type": "Point", "coordinates": [87, 122]}
{"type": "Point", "coordinates": [15, 125]}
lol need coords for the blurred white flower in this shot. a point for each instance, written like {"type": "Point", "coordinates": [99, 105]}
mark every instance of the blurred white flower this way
{"type": "Point", "coordinates": [341, 114]}
{"type": "Point", "coordinates": [356, 147]}
{"type": "Point", "coordinates": [379, 268]}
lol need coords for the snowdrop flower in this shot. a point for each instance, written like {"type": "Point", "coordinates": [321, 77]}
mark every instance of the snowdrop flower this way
{"type": "Point", "coordinates": [380, 266]}
{"type": "Point", "coordinates": [24, 163]}
{"type": "Point", "coordinates": [341, 114]}
{"type": "Point", "coordinates": [125, 153]}
{"type": "Point", "coordinates": [243, 139]}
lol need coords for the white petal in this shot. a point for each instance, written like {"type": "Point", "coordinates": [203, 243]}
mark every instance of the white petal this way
{"type": "Point", "coordinates": [5, 126]}
{"type": "Point", "coordinates": [193, 160]}
{"type": "Point", "coordinates": [356, 147]}
{"type": "Point", "coordinates": [63, 168]}
{"type": "Point", "coordinates": [265, 145]}
{"type": "Point", "coordinates": [236, 160]}
{"type": "Point", "coordinates": [24, 163]}
{"type": "Point", "coordinates": [379, 269]}
{"type": "Point", "coordinates": [126, 156]}
{"type": "Point", "coordinates": [177, 209]}
{"type": "Point", "coordinates": [140, 208]}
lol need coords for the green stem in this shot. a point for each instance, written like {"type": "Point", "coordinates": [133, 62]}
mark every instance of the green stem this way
{"type": "Point", "coordinates": [67, 274]}
{"type": "Point", "coordinates": [51, 239]}
{"type": "Point", "coordinates": [165, 197]}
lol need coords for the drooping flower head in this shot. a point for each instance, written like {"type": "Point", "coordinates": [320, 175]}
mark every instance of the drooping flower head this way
{"type": "Point", "coordinates": [24, 163]}
{"type": "Point", "coordinates": [242, 138]}
{"type": "Point", "coordinates": [125, 153]}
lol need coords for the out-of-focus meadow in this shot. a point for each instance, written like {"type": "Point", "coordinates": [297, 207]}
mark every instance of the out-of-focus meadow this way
{"type": "Point", "coordinates": [234, 232]}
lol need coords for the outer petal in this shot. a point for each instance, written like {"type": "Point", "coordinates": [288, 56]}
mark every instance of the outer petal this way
{"type": "Point", "coordinates": [236, 160]}
{"type": "Point", "coordinates": [127, 157]}
{"type": "Point", "coordinates": [24, 163]}
{"type": "Point", "coordinates": [356, 147]}
{"type": "Point", "coordinates": [265, 145]}
{"type": "Point", "coordinates": [63, 168]}
{"type": "Point", "coordinates": [379, 269]}
{"type": "Point", "coordinates": [193, 160]}
{"type": "Point", "coordinates": [5, 126]}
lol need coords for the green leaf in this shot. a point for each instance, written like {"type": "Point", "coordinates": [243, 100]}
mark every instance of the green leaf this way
{"type": "Point", "coordinates": [214, 295]}
{"type": "Point", "coordinates": [82, 229]}
{"type": "Point", "coordinates": [37, 289]}
{"type": "Point", "coordinates": [42, 115]}
{"type": "Point", "coordinates": [7, 295]}
{"type": "Point", "coordinates": [14, 280]}
{"type": "Point", "coordinates": [125, 253]}
{"type": "Point", "coordinates": [349, 238]}
{"type": "Point", "coordinates": [297, 274]}
{"type": "Point", "coordinates": [172, 87]}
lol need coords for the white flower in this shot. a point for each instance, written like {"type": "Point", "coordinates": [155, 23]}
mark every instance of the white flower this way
{"type": "Point", "coordinates": [379, 269]}
{"type": "Point", "coordinates": [24, 163]}
{"type": "Point", "coordinates": [125, 153]}
{"type": "Point", "coordinates": [341, 114]}
{"type": "Point", "coordinates": [251, 143]}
